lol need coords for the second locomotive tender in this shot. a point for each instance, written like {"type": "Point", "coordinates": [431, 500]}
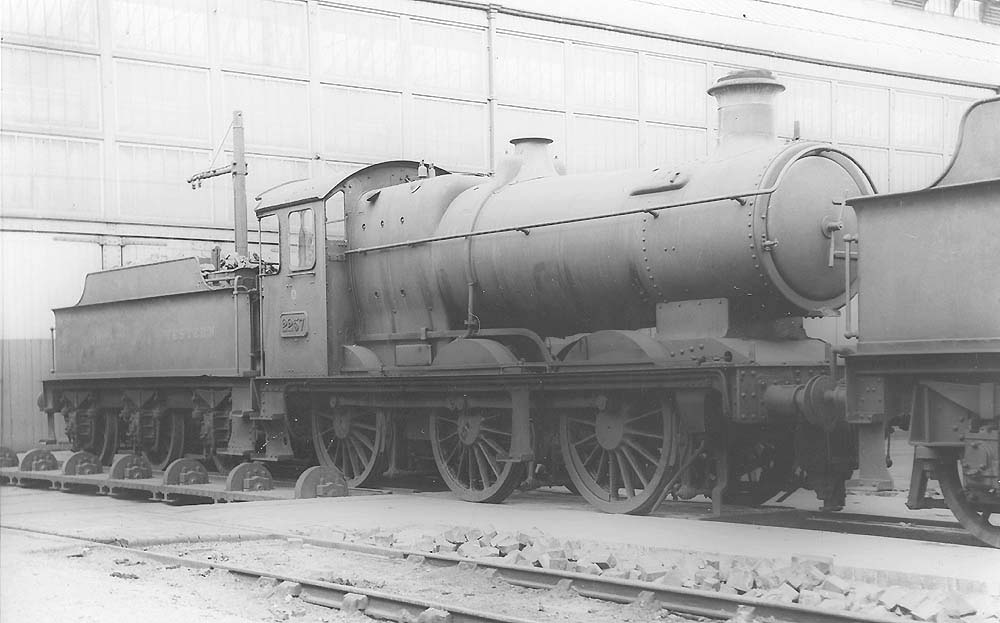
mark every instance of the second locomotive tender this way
{"type": "Point", "coordinates": [637, 334]}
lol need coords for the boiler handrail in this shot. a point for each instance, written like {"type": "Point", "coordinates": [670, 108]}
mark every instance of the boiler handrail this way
{"type": "Point", "coordinates": [524, 229]}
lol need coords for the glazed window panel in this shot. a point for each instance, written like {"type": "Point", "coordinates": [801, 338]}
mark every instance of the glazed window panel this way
{"type": "Point", "coordinates": [603, 80]}
{"type": "Point", "coordinates": [176, 28]}
{"type": "Point", "coordinates": [362, 124]}
{"type": "Point", "coordinates": [159, 101]}
{"type": "Point", "coordinates": [917, 121]}
{"type": "Point", "coordinates": [357, 47]}
{"type": "Point", "coordinates": [70, 21]}
{"type": "Point", "coordinates": [49, 90]}
{"type": "Point", "coordinates": [275, 110]}
{"type": "Point", "coordinates": [270, 256]}
{"type": "Point", "coordinates": [673, 90]}
{"type": "Point", "coordinates": [808, 102]}
{"type": "Point", "coordinates": [862, 114]}
{"type": "Point", "coordinates": [264, 33]}
{"type": "Point", "coordinates": [335, 217]}
{"type": "Point", "coordinates": [530, 71]}
{"type": "Point", "coordinates": [451, 60]}
{"type": "Point", "coordinates": [301, 240]}
{"type": "Point", "coordinates": [50, 176]}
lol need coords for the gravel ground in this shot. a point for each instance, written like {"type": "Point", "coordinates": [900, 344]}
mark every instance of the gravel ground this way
{"type": "Point", "coordinates": [39, 580]}
{"type": "Point", "coordinates": [444, 585]}
{"type": "Point", "coordinates": [54, 579]}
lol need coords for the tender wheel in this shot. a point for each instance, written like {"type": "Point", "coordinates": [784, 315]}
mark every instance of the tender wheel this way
{"type": "Point", "coordinates": [982, 524]}
{"type": "Point", "coordinates": [620, 457]}
{"type": "Point", "coordinates": [469, 447]}
{"type": "Point", "coordinates": [168, 440]}
{"type": "Point", "coordinates": [98, 434]}
{"type": "Point", "coordinates": [352, 439]}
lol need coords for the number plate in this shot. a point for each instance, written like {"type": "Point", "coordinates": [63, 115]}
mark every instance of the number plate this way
{"type": "Point", "coordinates": [294, 324]}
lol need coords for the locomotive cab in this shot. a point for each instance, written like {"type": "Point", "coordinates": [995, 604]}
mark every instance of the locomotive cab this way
{"type": "Point", "coordinates": [293, 295]}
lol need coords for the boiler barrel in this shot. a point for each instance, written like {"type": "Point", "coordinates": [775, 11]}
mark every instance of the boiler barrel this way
{"type": "Point", "coordinates": [611, 272]}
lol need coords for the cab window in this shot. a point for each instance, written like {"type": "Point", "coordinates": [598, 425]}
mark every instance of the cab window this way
{"type": "Point", "coordinates": [269, 256]}
{"type": "Point", "coordinates": [301, 240]}
{"type": "Point", "coordinates": [335, 217]}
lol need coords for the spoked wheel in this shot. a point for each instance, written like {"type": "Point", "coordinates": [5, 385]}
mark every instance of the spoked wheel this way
{"type": "Point", "coordinates": [469, 448]}
{"type": "Point", "coordinates": [167, 444]}
{"type": "Point", "coordinates": [98, 435]}
{"type": "Point", "coordinates": [983, 525]}
{"type": "Point", "coordinates": [352, 439]}
{"type": "Point", "coordinates": [620, 457]}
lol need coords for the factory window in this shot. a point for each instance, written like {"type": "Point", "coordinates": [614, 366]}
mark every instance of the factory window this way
{"type": "Point", "coordinates": [269, 256]}
{"type": "Point", "coordinates": [335, 227]}
{"type": "Point", "coordinates": [301, 240]}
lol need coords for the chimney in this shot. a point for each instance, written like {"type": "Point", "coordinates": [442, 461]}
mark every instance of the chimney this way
{"type": "Point", "coordinates": [532, 153]}
{"type": "Point", "coordinates": [746, 104]}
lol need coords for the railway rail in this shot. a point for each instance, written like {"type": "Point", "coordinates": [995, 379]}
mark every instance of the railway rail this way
{"type": "Point", "coordinates": [188, 481]}
{"type": "Point", "coordinates": [382, 604]}
{"type": "Point", "coordinates": [927, 530]}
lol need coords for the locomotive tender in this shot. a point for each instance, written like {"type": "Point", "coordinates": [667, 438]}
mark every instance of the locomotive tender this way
{"type": "Point", "coordinates": [633, 335]}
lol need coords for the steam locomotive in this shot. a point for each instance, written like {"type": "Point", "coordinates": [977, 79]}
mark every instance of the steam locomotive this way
{"type": "Point", "coordinates": [634, 335]}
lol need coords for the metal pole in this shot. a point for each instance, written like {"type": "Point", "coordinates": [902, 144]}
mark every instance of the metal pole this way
{"type": "Point", "coordinates": [239, 185]}
{"type": "Point", "coordinates": [491, 37]}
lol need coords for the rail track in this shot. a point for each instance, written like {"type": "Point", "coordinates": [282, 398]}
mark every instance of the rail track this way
{"type": "Point", "coordinates": [382, 604]}
{"type": "Point", "coordinates": [187, 481]}
{"type": "Point", "coordinates": [914, 529]}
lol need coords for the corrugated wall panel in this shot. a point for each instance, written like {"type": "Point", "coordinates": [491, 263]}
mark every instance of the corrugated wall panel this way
{"type": "Point", "coordinates": [264, 33]}
{"type": "Point", "coordinates": [665, 145]}
{"type": "Point", "coordinates": [602, 144]}
{"type": "Point", "coordinates": [70, 21]}
{"type": "Point", "coordinates": [673, 90]}
{"type": "Point", "coordinates": [275, 111]}
{"type": "Point", "coordinates": [807, 101]}
{"type": "Point", "coordinates": [448, 60]}
{"type": "Point", "coordinates": [361, 124]}
{"type": "Point", "coordinates": [151, 186]}
{"type": "Point", "coordinates": [873, 160]}
{"type": "Point", "coordinates": [515, 122]}
{"type": "Point", "coordinates": [917, 121]}
{"type": "Point", "coordinates": [357, 47]}
{"type": "Point", "coordinates": [50, 274]}
{"type": "Point", "coordinates": [861, 114]}
{"type": "Point", "coordinates": [530, 71]}
{"type": "Point", "coordinates": [55, 177]}
{"type": "Point", "coordinates": [161, 102]}
{"type": "Point", "coordinates": [450, 133]}
{"type": "Point", "coordinates": [177, 28]}
{"type": "Point", "coordinates": [913, 170]}
{"type": "Point", "coordinates": [49, 90]}
{"type": "Point", "coordinates": [603, 80]}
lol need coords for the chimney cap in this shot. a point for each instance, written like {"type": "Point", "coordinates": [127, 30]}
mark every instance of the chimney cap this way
{"type": "Point", "coordinates": [530, 139]}
{"type": "Point", "coordinates": [746, 77]}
